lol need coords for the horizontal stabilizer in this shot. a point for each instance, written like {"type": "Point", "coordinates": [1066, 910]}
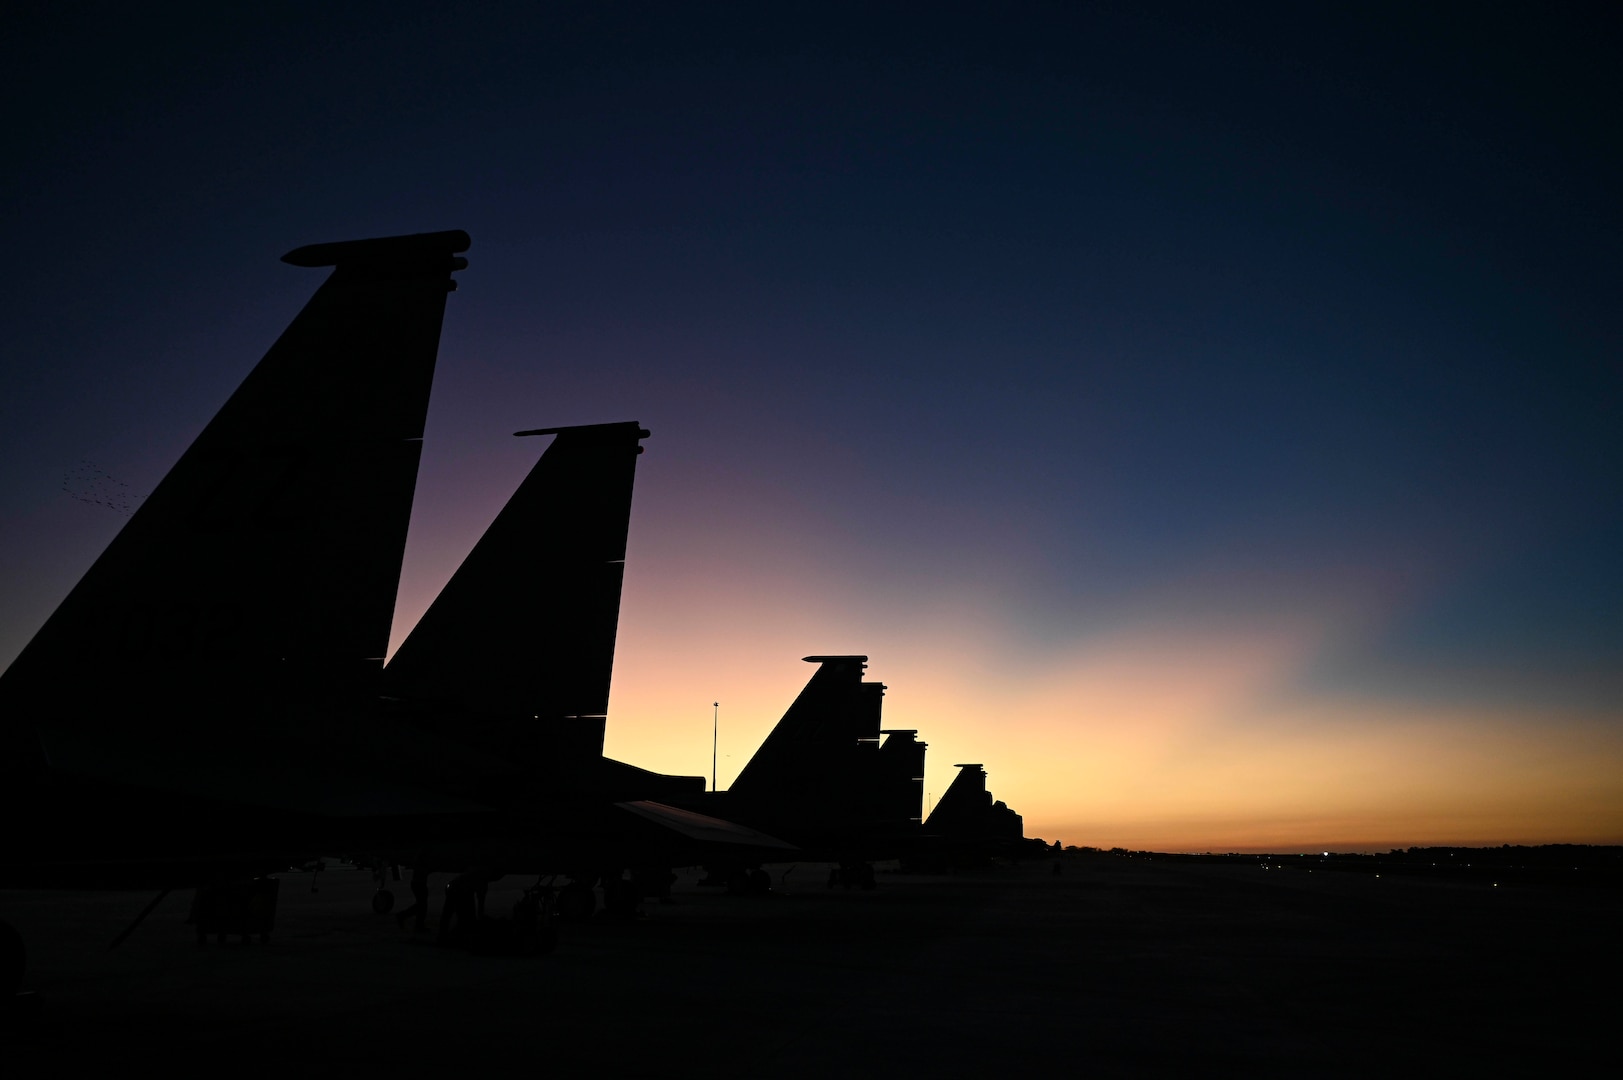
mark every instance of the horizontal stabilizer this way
{"type": "Point", "coordinates": [431, 249]}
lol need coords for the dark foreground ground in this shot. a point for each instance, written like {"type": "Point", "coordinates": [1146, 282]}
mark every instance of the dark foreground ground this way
{"type": "Point", "coordinates": [1120, 966]}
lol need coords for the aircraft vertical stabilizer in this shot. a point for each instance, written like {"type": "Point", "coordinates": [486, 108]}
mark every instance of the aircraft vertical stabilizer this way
{"type": "Point", "coordinates": [266, 561]}
{"type": "Point", "coordinates": [515, 654]}
{"type": "Point", "coordinates": [967, 810]}
{"type": "Point", "coordinates": [819, 759]}
{"type": "Point", "coordinates": [899, 786]}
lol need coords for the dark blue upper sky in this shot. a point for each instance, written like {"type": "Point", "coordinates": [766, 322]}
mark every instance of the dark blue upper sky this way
{"type": "Point", "coordinates": [1070, 303]}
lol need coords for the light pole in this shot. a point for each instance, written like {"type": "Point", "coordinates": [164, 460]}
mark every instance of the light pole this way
{"type": "Point", "coordinates": [715, 727]}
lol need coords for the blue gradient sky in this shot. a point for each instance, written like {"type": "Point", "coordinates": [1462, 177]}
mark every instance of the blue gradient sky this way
{"type": "Point", "coordinates": [1206, 418]}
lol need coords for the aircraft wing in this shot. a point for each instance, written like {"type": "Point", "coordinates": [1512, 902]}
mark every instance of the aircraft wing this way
{"type": "Point", "coordinates": [701, 827]}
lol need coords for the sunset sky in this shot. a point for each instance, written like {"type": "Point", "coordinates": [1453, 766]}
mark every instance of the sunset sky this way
{"type": "Point", "coordinates": [1206, 416]}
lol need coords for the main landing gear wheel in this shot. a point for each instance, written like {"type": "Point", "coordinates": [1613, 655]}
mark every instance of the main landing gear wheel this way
{"type": "Point", "coordinates": [382, 902]}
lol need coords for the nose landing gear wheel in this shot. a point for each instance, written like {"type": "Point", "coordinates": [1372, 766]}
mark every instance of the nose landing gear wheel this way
{"type": "Point", "coordinates": [382, 902]}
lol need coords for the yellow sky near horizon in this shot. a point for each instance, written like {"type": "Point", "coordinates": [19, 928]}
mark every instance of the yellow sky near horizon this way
{"type": "Point", "coordinates": [1184, 734]}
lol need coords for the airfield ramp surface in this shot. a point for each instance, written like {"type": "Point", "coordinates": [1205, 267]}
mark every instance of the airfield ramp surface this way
{"type": "Point", "coordinates": [1117, 966]}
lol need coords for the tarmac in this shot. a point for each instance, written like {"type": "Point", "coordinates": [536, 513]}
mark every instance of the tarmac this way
{"type": "Point", "coordinates": [1117, 966]}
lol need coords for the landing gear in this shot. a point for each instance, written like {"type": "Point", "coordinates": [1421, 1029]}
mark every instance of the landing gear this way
{"type": "Point", "coordinates": [654, 882]}
{"type": "Point", "coordinates": [535, 918]}
{"type": "Point", "coordinates": [753, 882]}
{"type": "Point", "coordinates": [620, 898]}
{"type": "Point", "coordinates": [383, 899]}
{"type": "Point", "coordinates": [576, 901]}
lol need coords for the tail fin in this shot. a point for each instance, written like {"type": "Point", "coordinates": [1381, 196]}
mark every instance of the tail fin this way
{"type": "Point", "coordinates": [967, 811]}
{"type": "Point", "coordinates": [268, 558]}
{"type": "Point", "coordinates": [819, 759]}
{"type": "Point", "coordinates": [515, 654]}
{"type": "Point", "coordinates": [899, 783]}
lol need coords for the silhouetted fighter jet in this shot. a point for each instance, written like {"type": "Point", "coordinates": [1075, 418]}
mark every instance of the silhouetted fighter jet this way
{"type": "Point", "coordinates": [514, 656]}
{"type": "Point", "coordinates": [824, 781]}
{"type": "Point", "coordinates": [204, 705]}
{"type": "Point", "coordinates": [967, 826]}
{"type": "Point", "coordinates": [513, 660]}
{"type": "Point", "coordinates": [189, 712]}
{"type": "Point", "coordinates": [968, 811]}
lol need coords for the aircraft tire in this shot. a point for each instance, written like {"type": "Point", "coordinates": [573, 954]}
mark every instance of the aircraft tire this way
{"type": "Point", "coordinates": [739, 884]}
{"type": "Point", "coordinates": [13, 960]}
{"type": "Point", "coordinates": [382, 902]}
{"type": "Point", "coordinates": [760, 882]}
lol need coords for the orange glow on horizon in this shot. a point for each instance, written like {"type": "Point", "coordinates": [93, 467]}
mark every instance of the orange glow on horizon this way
{"type": "Point", "coordinates": [1160, 735]}
{"type": "Point", "coordinates": [1178, 722]}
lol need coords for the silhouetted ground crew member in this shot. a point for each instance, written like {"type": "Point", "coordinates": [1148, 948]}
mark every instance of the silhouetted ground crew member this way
{"type": "Point", "coordinates": [465, 905]}
{"type": "Point", "coordinates": [460, 907]}
{"type": "Point", "coordinates": [419, 900]}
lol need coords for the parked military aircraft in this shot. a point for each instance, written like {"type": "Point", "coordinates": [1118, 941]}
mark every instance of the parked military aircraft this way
{"type": "Point", "coordinates": [168, 724]}
{"type": "Point", "coordinates": [204, 705]}
{"type": "Point", "coordinates": [512, 660]}
{"type": "Point", "coordinates": [968, 811]}
{"type": "Point", "coordinates": [825, 782]}
{"type": "Point", "coordinates": [967, 827]}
